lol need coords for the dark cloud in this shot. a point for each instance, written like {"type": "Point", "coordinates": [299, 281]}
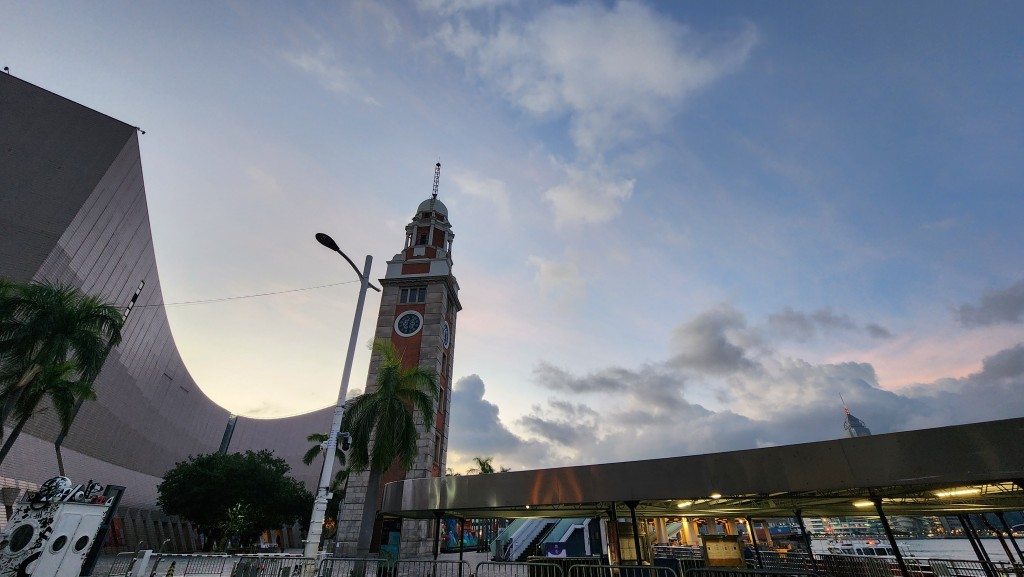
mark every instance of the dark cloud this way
{"type": "Point", "coordinates": [652, 411]}
{"type": "Point", "coordinates": [804, 327]}
{"type": "Point", "coordinates": [996, 307]}
{"type": "Point", "coordinates": [480, 429]}
{"type": "Point", "coordinates": [707, 344]}
{"type": "Point", "coordinates": [876, 331]}
{"type": "Point", "coordinates": [1006, 366]}
{"type": "Point", "coordinates": [557, 379]}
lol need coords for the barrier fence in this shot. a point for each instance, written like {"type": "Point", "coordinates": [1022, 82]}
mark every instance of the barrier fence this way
{"type": "Point", "coordinates": [621, 571]}
{"type": "Point", "coordinates": [508, 569]}
{"type": "Point", "coordinates": [274, 566]}
{"type": "Point", "coordinates": [349, 567]}
{"type": "Point", "coordinates": [739, 572]}
{"type": "Point", "coordinates": [122, 565]}
{"type": "Point", "coordinates": [775, 564]}
{"type": "Point", "coordinates": [197, 564]}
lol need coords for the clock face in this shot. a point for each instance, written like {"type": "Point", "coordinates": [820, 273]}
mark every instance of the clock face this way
{"type": "Point", "coordinates": [408, 323]}
{"type": "Point", "coordinates": [446, 335]}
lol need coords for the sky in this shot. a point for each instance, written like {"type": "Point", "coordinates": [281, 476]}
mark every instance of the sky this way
{"type": "Point", "coordinates": [680, 227]}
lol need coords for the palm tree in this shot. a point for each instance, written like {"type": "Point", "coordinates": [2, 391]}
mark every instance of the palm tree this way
{"type": "Point", "coordinates": [483, 466]}
{"type": "Point", "coordinates": [53, 342]}
{"type": "Point", "coordinates": [340, 483]}
{"type": "Point", "coordinates": [383, 425]}
{"type": "Point", "coordinates": [57, 384]}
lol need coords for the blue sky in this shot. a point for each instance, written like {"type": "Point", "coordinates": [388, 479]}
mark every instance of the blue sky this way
{"type": "Point", "coordinates": [680, 227]}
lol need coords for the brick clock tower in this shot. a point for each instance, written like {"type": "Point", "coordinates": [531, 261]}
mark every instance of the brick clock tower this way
{"type": "Point", "coordinates": [418, 306]}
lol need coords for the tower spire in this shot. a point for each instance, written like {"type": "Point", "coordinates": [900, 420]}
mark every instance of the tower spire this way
{"type": "Point", "coordinates": [437, 178]}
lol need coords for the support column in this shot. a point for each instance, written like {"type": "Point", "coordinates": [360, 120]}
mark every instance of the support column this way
{"type": "Point", "coordinates": [636, 529]}
{"type": "Point", "coordinates": [753, 541]}
{"type": "Point", "coordinates": [684, 532]}
{"type": "Point", "coordinates": [462, 541]}
{"type": "Point", "coordinates": [659, 524]}
{"type": "Point", "coordinates": [891, 537]}
{"type": "Point", "coordinates": [979, 548]}
{"type": "Point", "coordinates": [1009, 531]}
{"type": "Point", "coordinates": [437, 533]}
{"type": "Point", "coordinates": [807, 541]}
{"type": "Point", "coordinates": [614, 554]}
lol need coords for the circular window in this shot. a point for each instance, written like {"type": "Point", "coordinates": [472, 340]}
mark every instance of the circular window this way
{"type": "Point", "coordinates": [20, 538]}
{"type": "Point", "coordinates": [59, 543]}
{"type": "Point", "coordinates": [81, 543]}
{"type": "Point", "coordinates": [408, 323]}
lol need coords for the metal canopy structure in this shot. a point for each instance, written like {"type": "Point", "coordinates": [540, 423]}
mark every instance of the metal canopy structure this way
{"type": "Point", "coordinates": [962, 469]}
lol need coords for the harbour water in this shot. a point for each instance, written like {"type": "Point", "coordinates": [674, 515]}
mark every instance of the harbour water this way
{"type": "Point", "coordinates": [937, 548]}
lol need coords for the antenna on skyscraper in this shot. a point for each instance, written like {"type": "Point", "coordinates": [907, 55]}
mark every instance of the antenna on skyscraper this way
{"type": "Point", "coordinates": [845, 408]}
{"type": "Point", "coordinates": [437, 178]}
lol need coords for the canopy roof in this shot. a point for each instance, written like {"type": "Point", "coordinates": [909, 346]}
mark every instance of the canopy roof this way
{"type": "Point", "coordinates": [949, 470]}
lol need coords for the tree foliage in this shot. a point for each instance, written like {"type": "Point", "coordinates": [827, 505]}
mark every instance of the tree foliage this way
{"type": "Point", "coordinates": [383, 425]}
{"type": "Point", "coordinates": [385, 415]}
{"type": "Point", "coordinates": [53, 342]}
{"type": "Point", "coordinates": [485, 466]}
{"type": "Point", "coordinates": [340, 482]}
{"type": "Point", "coordinates": [238, 494]}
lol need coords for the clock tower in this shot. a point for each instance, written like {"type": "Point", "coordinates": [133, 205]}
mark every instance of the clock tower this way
{"type": "Point", "coordinates": [418, 307]}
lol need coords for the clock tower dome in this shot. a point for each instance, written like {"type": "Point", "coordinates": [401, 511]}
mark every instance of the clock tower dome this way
{"type": "Point", "coordinates": [418, 307]}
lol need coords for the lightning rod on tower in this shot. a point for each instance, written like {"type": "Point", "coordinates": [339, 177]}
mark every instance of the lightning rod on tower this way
{"type": "Point", "coordinates": [437, 178]}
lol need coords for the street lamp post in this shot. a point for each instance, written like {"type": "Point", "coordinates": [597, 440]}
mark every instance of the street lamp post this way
{"type": "Point", "coordinates": [316, 521]}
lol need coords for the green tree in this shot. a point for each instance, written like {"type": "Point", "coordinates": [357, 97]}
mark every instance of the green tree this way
{"type": "Point", "coordinates": [484, 466]}
{"type": "Point", "coordinates": [235, 495]}
{"type": "Point", "coordinates": [53, 342]}
{"type": "Point", "coordinates": [383, 425]}
{"type": "Point", "coordinates": [340, 483]}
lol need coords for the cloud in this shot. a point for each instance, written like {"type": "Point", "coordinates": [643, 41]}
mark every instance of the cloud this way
{"type": "Point", "coordinates": [568, 426]}
{"type": "Point", "coordinates": [477, 430]}
{"type": "Point", "coordinates": [617, 73]}
{"type": "Point", "coordinates": [490, 190]}
{"type": "Point", "coordinates": [804, 327]}
{"type": "Point", "coordinates": [557, 379]}
{"type": "Point", "coordinates": [473, 413]}
{"type": "Point", "coordinates": [587, 196]}
{"type": "Point", "coordinates": [766, 399]}
{"type": "Point", "coordinates": [708, 344]}
{"type": "Point", "coordinates": [996, 307]}
{"type": "Point", "coordinates": [322, 64]}
{"type": "Point", "coordinates": [557, 277]}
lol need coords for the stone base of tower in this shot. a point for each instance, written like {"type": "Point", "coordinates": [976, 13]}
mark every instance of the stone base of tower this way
{"type": "Point", "coordinates": [417, 539]}
{"type": "Point", "coordinates": [351, 514]}
{"type": "Point", "coordinates": [417, 534]}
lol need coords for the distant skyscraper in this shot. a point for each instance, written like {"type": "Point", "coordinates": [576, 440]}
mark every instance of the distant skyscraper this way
{"type": "Point", "coordinates": [854, 426]}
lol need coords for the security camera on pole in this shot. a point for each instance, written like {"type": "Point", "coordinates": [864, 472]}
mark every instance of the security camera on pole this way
{"type": "Point", "coordinates": [323, 494]}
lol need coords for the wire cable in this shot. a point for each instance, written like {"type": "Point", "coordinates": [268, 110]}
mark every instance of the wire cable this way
{"type": "Point", "coordinates": [222, 299]}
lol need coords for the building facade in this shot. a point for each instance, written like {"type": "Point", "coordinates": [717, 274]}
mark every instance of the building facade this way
{"type": "Point", "coordinates": [73, 210]}
{"type": "Point", "coordinates": [418, 309]}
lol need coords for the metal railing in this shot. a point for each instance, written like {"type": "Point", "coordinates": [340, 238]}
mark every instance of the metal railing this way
{"type": "Point", "coordinates": [621, 571]}
{"type": "Point", "coordinates": [122, 565]}
{"type": "Point", "coordinates": [371, 567]}
{"type": "Point", "coordinates": [185, 564]}
{"type": "Point", "coordinates": [351, 567]}
{"type": "Point", "coordinates": [272, 565]}
{"type": "Point", "coordinates": [528, 569]}
{"type": "Point", "coordinates": [740, 572]}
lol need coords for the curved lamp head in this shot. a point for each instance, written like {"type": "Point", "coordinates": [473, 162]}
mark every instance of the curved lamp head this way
{"type": "Point", "coordinates": [327, 241]}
